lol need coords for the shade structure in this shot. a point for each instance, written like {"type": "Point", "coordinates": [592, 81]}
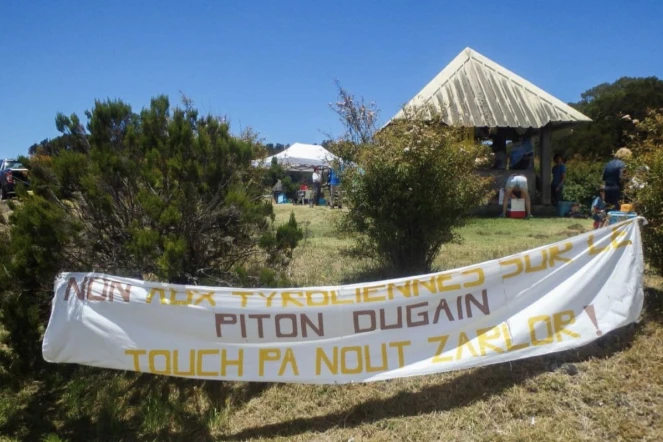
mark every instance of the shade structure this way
{"type": "Point", "coordinates": [474, 91]}
{"type": "Point", "coordinates": [300, 157]}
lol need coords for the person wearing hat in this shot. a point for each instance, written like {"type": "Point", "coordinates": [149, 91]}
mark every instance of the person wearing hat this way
{"type": "Point", "coordinates": [598, 208]}
{"type": "Point", "coordinates": [614, 178]}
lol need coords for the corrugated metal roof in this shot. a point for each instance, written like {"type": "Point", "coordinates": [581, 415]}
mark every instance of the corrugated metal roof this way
{"type": "Point", "coordinates": [474, 91]}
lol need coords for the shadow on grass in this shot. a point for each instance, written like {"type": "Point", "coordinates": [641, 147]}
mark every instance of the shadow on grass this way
{"type": "Point", "coordinates": [475, 385]}
{"type": "Point", "coordinates": [653, 305]}
{"type": "Point", "coordinates": [138, 407]}
{"type": "Point", "coordinates": [369, 274]}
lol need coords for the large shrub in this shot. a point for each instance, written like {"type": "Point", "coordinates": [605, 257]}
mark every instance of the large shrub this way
{"type": "Point", "coordinates": [163, 194]}
{"type": "Point", "coordinates": [610, 105]}
{"type": "Point", "coordinates": [414, 182]}
{"type": "Point", "coordinates": [583, 177]}
{"type": "Point", "coordinates": [39, 243]}
{"type": "Point", "coordinates": [646, 186]}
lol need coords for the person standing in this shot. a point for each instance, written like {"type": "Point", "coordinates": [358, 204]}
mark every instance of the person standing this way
{"type": "Point", "coordinates": [559, 175]}
{"type": "Point", "coordinates": [334, 184]}
{"type": "Point", "coordinates": [614, 178]}
{"type": "Point", "coordinates": [317, 182]}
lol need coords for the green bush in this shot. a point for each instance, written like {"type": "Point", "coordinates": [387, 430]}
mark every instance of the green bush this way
{"type": "Point", "coordinates": [290, 188]}
{"type": "Point", "coordinates": [648, 198]}
{"type": "Point", "coordinates": [39, 242]}
{"type": "Point", "coordinates": [273, 174]}
{"type": "Point", "coordinates": [168, 193]}
{"type": "Point", "coordinates": [277, 172]}
{"type": "Point", "coordinates": [164, 193]}
{"type": "Point", "coordinates": [416, 182]}
{"type": "Point", "coordinates": [261, 276]}
{"type": "Point", "coordinates": [583, 177]}
{"type": "Point", "coordinates": [280, 245]}
{"type": "Point", "coordinates": [68, 167]}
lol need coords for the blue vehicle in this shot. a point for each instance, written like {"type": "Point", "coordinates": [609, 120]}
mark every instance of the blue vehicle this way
{"type": "Point", "coordinates": [12, 172]}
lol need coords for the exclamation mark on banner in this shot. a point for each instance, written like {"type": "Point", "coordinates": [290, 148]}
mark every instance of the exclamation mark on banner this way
{"type": "Point", "coordinates": [592, 316]}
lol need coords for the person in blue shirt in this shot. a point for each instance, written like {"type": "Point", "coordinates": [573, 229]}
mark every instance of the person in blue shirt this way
{"type": "Point", "coordinates": [334, 185]}
{"type": "Point", "coordinates": [598, 208]}
{"type": "Point", "coordinates": [559, 175]}
{"type": "Point", "coordinates": [614, 177]}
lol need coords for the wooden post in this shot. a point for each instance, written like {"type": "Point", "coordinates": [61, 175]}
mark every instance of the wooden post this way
{"type": "Point", "coordinates": [546, 164]}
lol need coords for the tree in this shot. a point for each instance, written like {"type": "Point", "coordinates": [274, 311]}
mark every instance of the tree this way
{"type": "Point", "coordinates": [283, 242]}
{"type": "Point", "coordinates": [277, 172]}
{"type": "Point", "coordinates": [31, 255]}
{"type": "Point", "coordinates": [414, 183]}
{"type": "Point", "coordinates": [273, 149]}
{"type": "Point", "coordinates": [168, 193]}
{"type": "Point", "coordinates": [164, 194]}
{"type": "Point", "coordinates": [54, 146]}
{"type": "Point", "coordinates": [610, 105]}
{"type": "Point", "coordinates": [583, 177]}
{"type": "Point", "coordinates": [359, 120]}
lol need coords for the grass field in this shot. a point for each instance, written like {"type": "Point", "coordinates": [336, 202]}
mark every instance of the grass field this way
{"type": "Point", "coordinates": [611, 390]}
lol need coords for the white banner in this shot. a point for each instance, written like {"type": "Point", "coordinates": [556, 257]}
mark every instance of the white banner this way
{"type": "Point", "coordinates": [545, 300]}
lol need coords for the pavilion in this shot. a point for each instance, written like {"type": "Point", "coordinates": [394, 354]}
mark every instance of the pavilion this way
{"type": "Point", "coordinates": [475, 92]}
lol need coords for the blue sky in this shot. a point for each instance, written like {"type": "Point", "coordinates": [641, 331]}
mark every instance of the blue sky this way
{"type": "Point", "coordinates": [271, 64]}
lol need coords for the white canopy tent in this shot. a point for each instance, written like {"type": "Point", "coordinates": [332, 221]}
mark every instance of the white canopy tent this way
{"type": "Point", "coordinates": [300, 157]}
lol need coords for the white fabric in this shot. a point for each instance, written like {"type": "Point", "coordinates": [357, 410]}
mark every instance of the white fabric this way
{"type": "Point", "coordinates": [546, 300]}
{"type": "Point", "coordinates": [300, 157]}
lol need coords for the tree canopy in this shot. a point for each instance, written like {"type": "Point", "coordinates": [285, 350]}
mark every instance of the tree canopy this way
{"type": "Point", "coordinates": [612, 107]}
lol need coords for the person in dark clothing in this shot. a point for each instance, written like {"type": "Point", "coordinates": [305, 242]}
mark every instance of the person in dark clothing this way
{"type": "Point", "coordinates": [614, 177]}
{"type": "Point", "coordinates": [559, 175]}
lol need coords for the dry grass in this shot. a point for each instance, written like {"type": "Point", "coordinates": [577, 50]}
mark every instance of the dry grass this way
{"type": "Point", "coordinates": [616, 394]}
